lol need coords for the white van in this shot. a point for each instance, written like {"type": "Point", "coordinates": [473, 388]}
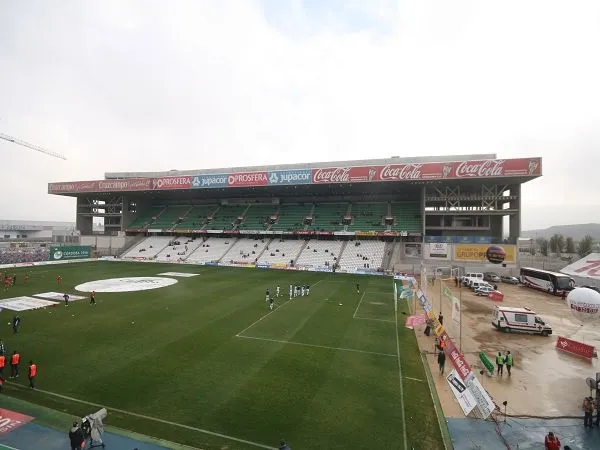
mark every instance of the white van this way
{"type": "Point", "coordinates": [470, 278]}
{"type": "Point", "coordinates": [475, 285]}
{"type": "Point", "coordinates": [523, 320]}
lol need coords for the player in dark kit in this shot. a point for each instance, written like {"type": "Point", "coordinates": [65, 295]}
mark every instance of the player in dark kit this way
{"type": "Point", "coordinates": [15, 324]}
{"type": "Point", "coordinates": [267, 295]}
{"type": "Point", "coordinates": [357, 288]}
{"type": "Point", "coordinates": [66, 297]}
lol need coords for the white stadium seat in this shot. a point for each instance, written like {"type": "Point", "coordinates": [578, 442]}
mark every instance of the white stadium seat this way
{"type": "Point", "coordinates": [211, 250]}
{"type": "Point", "coordinates": [148, 248]}
{"type": "Point", "coordinates": [246, 250]}
{"type": "Point", "coordinates": [179, 249]}
{"type": "Point", "coordinates": [360, 254]}
{"type": "Point", "coordinates": [320, 254]}
{"type": "Point", "coordinates": [281, 251]}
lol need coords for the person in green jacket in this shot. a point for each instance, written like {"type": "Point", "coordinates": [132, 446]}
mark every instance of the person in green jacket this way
{"type": "Point", "coordinates": [499, 364]}
{"type": "Point", "coordinates": [508, 360]}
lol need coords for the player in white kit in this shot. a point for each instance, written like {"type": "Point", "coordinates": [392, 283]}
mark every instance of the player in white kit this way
{"type": "Point", "coordinates": [291, 291]}
{"type": "Point", "coordinates": [277, 291]}
{"type": "Point", "coordinates": [302, 290]}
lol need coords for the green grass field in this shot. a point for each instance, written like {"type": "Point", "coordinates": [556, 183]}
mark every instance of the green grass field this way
{"type": "Point", "coordinates": [206, 364]}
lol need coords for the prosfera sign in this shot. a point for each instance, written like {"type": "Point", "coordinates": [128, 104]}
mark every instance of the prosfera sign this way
{"type": "Point", "coordinates": [74, 252]}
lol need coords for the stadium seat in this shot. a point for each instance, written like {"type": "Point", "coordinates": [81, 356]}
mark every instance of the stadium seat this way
{"type": "Point", "coordinates": [257, 217]}
{"type": "Point", "coordinates": [148, 248]}
{"type": "Point", "coordinates": [196, 218]}
{"type": "Point", "coordinates": [246, 250]}
{"type": "Point", "coordinates": [320, 253]}
{"type": "Point", "coordinates": [280, 251]}
{"type": "Point", "coordinates": [328, 216]}
{"type": "Point", "coordinates": [291, 217]}
{"type": "Point", "coordinates": [179, 249]}
{"type": "Point", "coordinates": [407, 217]}
{"type": "Point", "coordinates": [211, 250]}
{"type": "Point", "coordinates": [145, 217]}
{"type": "Point", "coordinates": [368, 216]}
{"type": "Point", "coordinates": [169, 217]}
{"type": "Point", "coordinates": [225, 217]}
{"type": "Point", "coordinates": [360, 254]}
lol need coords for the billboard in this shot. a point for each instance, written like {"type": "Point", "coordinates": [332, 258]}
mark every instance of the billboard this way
{"type": "Point", "coordinates": [169, 183]}
{"type": "Point", "coordinates": [132, 184]}
{"type": "Point", "coordinates": [279, 177]}
{"type": "Point", "coordinates": [210, 181]}
{"type": "Point", "coordinates": [72, 252]}
{"type": "Point", "coordinates": [403, 172]}
{"type": "Point", "coordinates": [437, 251]}
{"type": "Point", "coordinates": [484, 252]}
{"type": "Point", "coordinates": [247, 179]}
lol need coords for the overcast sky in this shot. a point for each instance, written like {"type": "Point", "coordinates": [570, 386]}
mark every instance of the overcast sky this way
{"type": "Point", "coordinates": [147, 85]}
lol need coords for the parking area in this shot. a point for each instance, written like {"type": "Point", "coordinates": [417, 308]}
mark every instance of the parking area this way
{"type": "Point", "coordinates": [545, 381]}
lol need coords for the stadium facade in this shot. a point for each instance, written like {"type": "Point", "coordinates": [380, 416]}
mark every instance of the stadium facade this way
{"type": "Point", "coordinates": [454, 200]}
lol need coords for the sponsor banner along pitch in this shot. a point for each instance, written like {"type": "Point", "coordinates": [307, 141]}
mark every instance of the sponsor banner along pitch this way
{"type": "Point", "coordinates": [403, 172]}
{"type": "Point", "coordinates": [11, 420]}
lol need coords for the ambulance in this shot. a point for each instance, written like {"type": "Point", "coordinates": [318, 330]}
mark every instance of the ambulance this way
{"type": "Point", "coordinates": [522, 320]}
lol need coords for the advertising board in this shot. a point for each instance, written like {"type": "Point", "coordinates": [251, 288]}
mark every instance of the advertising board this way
{"type": "Point", "coordinates": [290, 177]}
{"type": "Point", "coordinates": [437, 251]}
{"type": "Point", "coordinates": [70, 252]}
{"type": "Point", "coordinates": [247, 179]}
{"type": "Point", "coordinates": [171, 183]}
{"type": "Point", "coordinates": [209, 181]}
{"type": "Point", "coordinates": [575, 347]}
{"type": "Point", "coordinates": [480, 252]}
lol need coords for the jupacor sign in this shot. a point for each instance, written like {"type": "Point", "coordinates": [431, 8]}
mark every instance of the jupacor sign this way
{"type": "Point", "coordinates": [126, 284]}
{"type": "Point", "coordinates": [63, 253]}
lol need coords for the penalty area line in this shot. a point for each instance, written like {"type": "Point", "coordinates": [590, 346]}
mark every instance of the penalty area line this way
{"type": "Point", "coordinates": [153, 419]}
{"type": "Point", "coordinates": [261, 318]}
{"type": "Point", "coordinates": [302, 344]}
{"type": "Point", "coordinates": [358, 306]}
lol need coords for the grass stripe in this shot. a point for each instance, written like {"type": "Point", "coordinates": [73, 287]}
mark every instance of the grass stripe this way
{"type": "Point", "coordinates": [401, 382]}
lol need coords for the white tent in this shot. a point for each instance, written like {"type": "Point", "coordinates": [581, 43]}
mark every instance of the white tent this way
{"type": "Point", "coordinates": [586, 267]}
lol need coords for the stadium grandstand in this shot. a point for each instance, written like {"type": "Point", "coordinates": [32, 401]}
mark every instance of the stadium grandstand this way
{"type": "Point", "coordinates": [356, 216]}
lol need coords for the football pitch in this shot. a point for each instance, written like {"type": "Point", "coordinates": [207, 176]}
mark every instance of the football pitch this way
{"type": "Point", "coordinates": [205, 362]}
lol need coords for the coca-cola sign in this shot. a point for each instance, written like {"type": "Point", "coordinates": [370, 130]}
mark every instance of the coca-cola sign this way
{"type": "Point", "coordinates": [332, 175]}
{"type": "Point", "coordinates": [401, 172]}
{"type": "Point", "coordinates": [480, 169]}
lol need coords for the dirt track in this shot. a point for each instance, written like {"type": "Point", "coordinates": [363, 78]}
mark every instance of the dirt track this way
{"type": "Point", "coordinates": [544, 381]}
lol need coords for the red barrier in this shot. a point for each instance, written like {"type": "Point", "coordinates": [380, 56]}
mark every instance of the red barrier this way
{"type": "Point", "coordinates": [496, 296]}
{"type": "Point", "coordinates": [575, 347]}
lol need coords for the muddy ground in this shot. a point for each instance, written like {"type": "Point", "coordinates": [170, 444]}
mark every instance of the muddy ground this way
{"type": "Point", "coordinates": [544, 381]}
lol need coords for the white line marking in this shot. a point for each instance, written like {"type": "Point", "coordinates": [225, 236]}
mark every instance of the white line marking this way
{"type": "Point", "coordinates": [8, 447]}
{"type": "Point", "coordinates": [154, 419]}
{"type": "Point", "coordinates": [263, 317]}
{"type": "Point", "coordinates": [343, 349]}
{"type": "Point", "coordinates": [268, 314]}
{"type": "Point", "coordinates": [414, 379]}
{"type": "Point", "coordinates": [358, 306]}
{"type": "Point", "coordinates": [377, 320]}
{"type": "Point", "coordinates": [400, 381]}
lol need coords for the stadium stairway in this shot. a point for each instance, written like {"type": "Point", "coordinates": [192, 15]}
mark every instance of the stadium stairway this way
{"type": "Point", "coordinates": [182, 217]}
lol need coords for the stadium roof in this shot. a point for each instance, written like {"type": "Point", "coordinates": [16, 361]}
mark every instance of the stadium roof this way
{"type": "Point", "coordinates": [316, 165]}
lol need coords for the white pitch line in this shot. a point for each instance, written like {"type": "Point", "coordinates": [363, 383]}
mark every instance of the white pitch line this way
{"type": "Point", "coordinates": [8, 447]}
{"type": "Point", "coordinates": [358, 306]}
{"type": "Point", "coordinates": [400, 381]}
{"type": "Point", "coordinates": [377, 320]}
{"type": "Point", "coordinates": [263, 317]}
{"type": "Point", "coordinates": [414, 379]}
{"type": "Point", "coordinates": [343, 349]}
{"type": "Point", "coordinates": [268, 314]}
{"type": "Point", "coordinates": [154, 419]}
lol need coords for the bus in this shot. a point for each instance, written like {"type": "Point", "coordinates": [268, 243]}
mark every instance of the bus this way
{"type": "Point", "coordinates": [551, 282]}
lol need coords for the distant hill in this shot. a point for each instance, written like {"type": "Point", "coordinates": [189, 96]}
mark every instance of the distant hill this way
{"type": "Point", "coordinates": [577, 232]}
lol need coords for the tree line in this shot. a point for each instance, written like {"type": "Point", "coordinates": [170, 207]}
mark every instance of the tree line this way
{"type": "Point", "coordinates": [558, 245]}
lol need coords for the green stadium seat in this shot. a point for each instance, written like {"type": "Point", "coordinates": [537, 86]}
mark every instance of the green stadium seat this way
{"type": "Point", "coordinates": [368, 217]}
{"type": "Point", "coordinates": [257, 217]}
{"type": "Point", "coordinates": [291, 217]}
{"type": "Point", "coordinates": [197, 217]}
{"type": "Point", "coordinates": [225, 217]}
{"type": "Point", "coordinates": [407, 217]}
{"type": "Point", "coordinates": [145, 217]}
{"type": "Point", "coordinates": [328, 216]}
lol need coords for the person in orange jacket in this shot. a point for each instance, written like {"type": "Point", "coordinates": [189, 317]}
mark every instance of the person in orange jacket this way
{"type": "Point", "coordinates": [2, 363]}
{"type": "Point", "coordinates": [32, 374]}
{"type": "Point", "coordinates": [552, 442]}
{"type": "Point", "coordinates": [15, 358]}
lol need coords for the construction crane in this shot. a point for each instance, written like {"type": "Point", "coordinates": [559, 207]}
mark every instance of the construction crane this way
{"type": "Point", "coordinates": [31, 146]}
